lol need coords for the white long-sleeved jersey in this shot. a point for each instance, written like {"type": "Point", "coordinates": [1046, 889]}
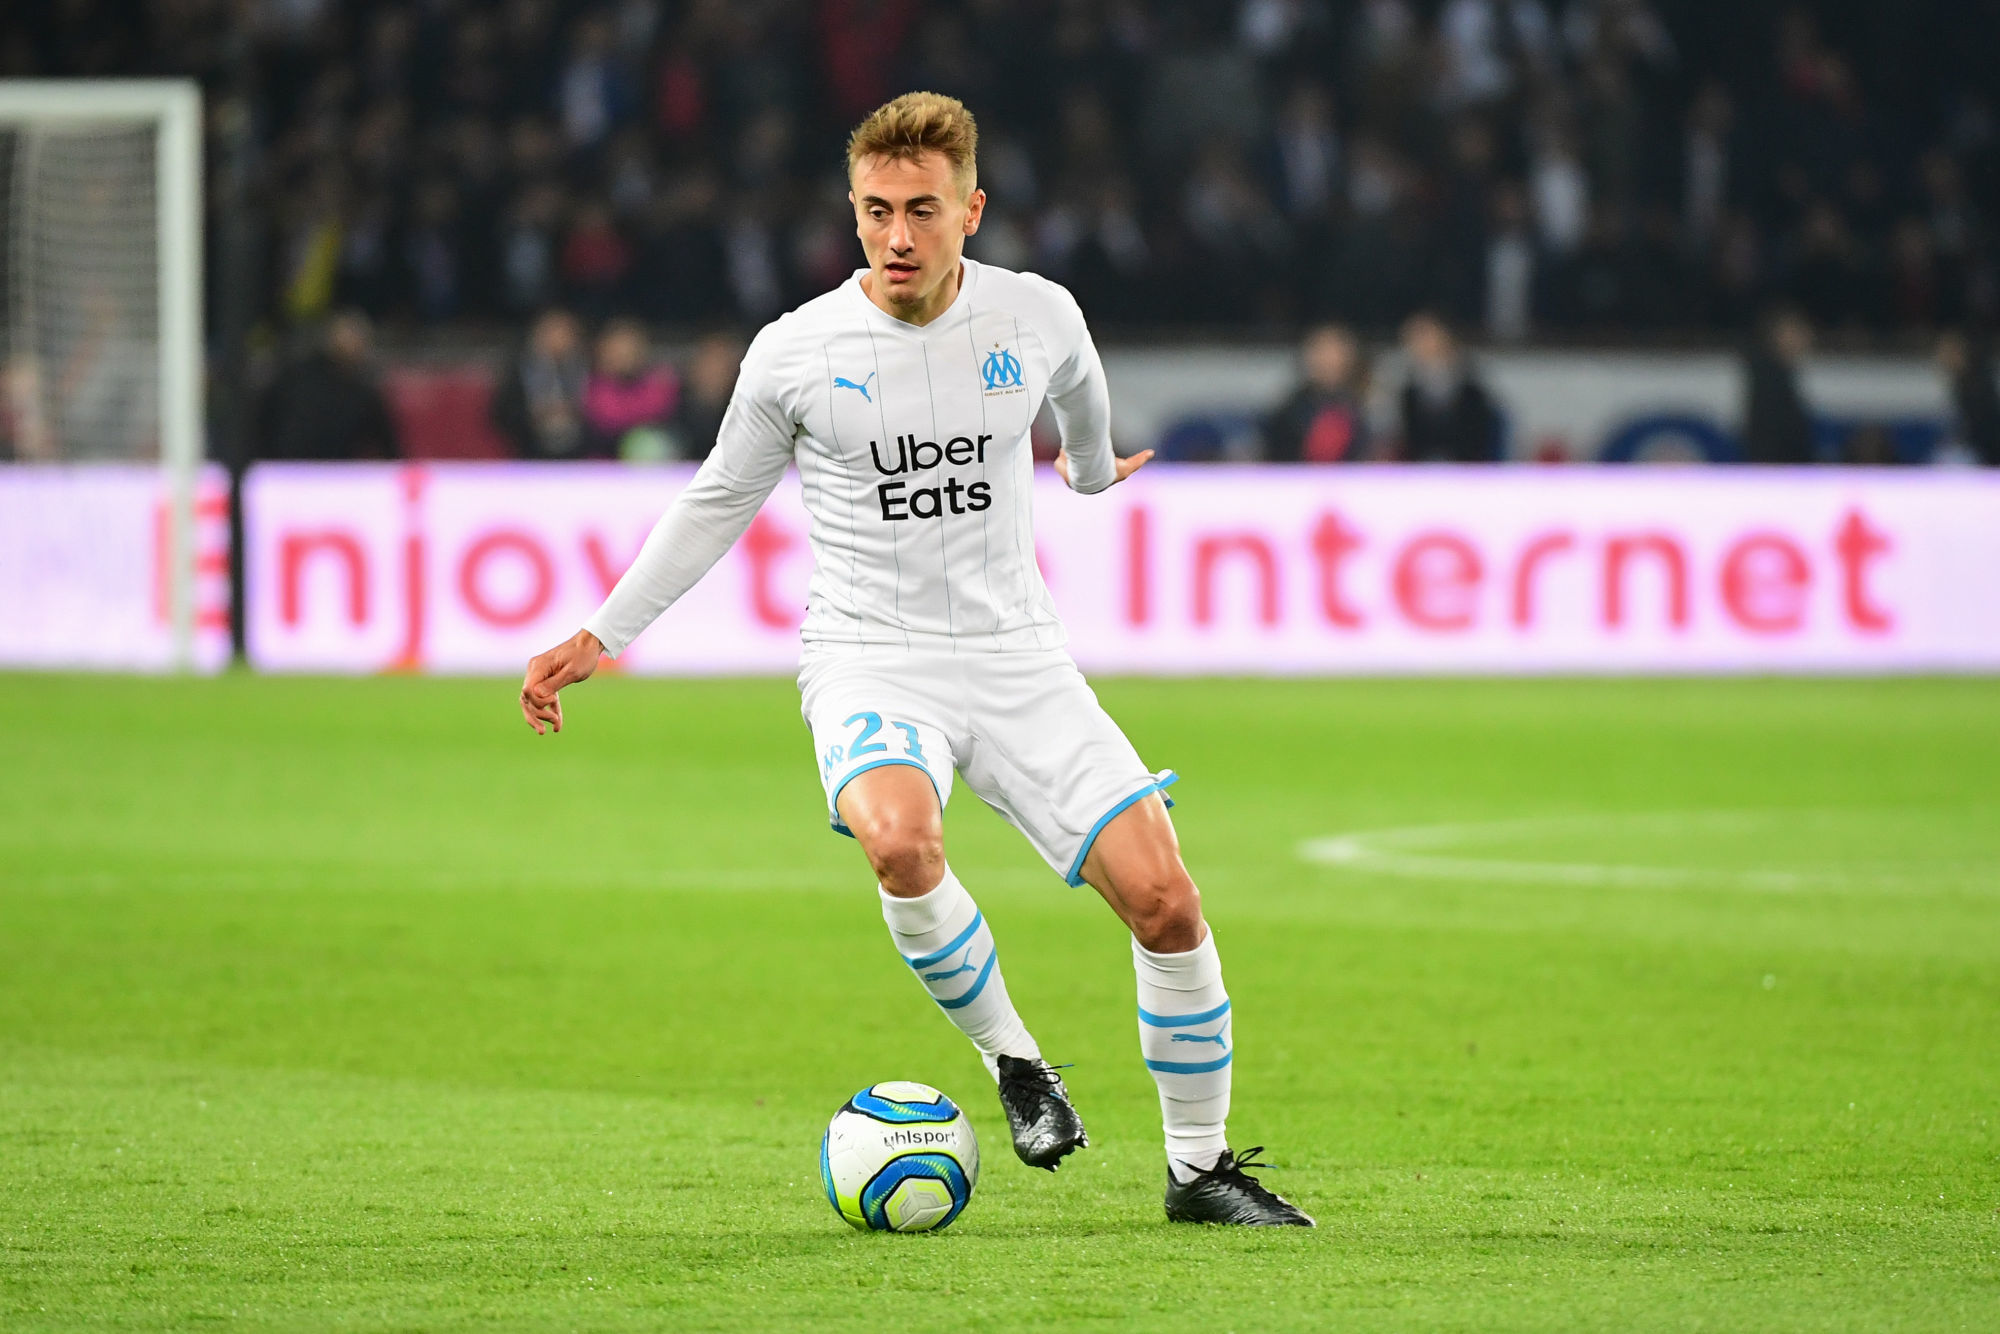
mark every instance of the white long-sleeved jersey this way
{"type": "Point", "coordinates": [912, 448]}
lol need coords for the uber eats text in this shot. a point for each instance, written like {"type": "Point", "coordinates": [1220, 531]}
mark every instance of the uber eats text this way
{"type": "Point", "coordinates": [912, 455]}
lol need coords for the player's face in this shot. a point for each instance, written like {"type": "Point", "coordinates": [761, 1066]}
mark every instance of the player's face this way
{"type": "Point", "coordinates": [913, 218]}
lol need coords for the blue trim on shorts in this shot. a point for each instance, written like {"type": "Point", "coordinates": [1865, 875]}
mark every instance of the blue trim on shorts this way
{"type": "Point", "coordinates": [1189, 1067]}
{"type": "Point", "coordinates": [833, 801]}
{"type": "Point", "coordinates": [1181, 1020]}
{"type": "Point", "coordinates": [957, 944]}
{"type": "Point", "coordinates": [1165, 779]}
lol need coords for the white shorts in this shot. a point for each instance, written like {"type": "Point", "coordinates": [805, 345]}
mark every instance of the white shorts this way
{"type": "Point", "coordinates": [1024, 728]}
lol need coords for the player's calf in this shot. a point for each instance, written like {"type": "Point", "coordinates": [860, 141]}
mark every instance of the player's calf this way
{"type": "Point", "coordinates": [1186, 1036]}
{"type": "Point", "coordinates": [945, 942]}
{"type": "Point", "coordinates": [944, 939]}
{"type": "Point", "coordinates": [1136, 865]}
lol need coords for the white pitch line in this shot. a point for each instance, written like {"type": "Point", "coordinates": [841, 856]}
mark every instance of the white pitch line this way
{"type": "Point", "coordinates": [1407, 851]}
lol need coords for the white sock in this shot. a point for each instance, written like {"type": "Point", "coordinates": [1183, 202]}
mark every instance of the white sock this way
{"type": "Point", "coordinates": [1185, 1036]}
{"type": "Point", "coordinates": [945, 940]}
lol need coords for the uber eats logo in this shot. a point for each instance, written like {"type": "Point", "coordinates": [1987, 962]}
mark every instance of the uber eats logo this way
{"type": "Point", "coordinates": [912, 455]}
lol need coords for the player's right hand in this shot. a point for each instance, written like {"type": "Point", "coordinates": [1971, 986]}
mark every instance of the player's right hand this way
{"type": "Point", "coordinates": [565, 664]}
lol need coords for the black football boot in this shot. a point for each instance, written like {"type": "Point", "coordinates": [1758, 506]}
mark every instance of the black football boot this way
{"type": "Point", "coordinates": [1046, 1128]}
{"type": "Point", "coordinates": [1224, 1194]}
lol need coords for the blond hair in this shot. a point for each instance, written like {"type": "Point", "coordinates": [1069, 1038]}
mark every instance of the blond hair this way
{"type": "Point", "coordinates": [915, 124]}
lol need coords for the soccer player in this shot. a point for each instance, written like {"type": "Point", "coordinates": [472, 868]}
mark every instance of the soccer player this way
{"type": "Point", "coordinates": [904, 397]}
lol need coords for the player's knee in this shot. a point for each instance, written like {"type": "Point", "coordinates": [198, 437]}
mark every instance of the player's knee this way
{"type": "Point", "coordinates": [906, 852]}
{"type": "Point", "coordinates": [1165, 911]}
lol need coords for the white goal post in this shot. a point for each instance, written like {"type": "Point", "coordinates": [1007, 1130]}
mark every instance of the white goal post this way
{"type": "Point", "coordinates": [103, 322]}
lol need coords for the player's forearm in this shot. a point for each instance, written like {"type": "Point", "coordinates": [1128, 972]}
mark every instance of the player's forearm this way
{"type": "Point", "coordinates": [703, 523]}
{"type": "Point", "coordinates": [1083, 416]}
{"type": "Point", "coordinates": [1092, 465]}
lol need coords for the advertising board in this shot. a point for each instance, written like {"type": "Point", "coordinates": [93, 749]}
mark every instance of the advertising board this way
{"type": "Point", "coordinates": [85, 568]}
{"type": "Point", "coordinates": [475, 567]}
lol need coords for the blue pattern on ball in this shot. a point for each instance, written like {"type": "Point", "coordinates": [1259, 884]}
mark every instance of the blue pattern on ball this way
{"type": "Point", "coordinates": [896, 1113]}
{"type": "Point", "coordinates": [914, 1165]}
{"type": "Point", "coordinates": [826, 1170]}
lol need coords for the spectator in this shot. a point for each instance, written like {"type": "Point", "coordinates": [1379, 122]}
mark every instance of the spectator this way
{"type": "Point", "coordinates": [538, 404]}
{"type": "Point", "coordinates": [1967, 365]}
{"type": "Point", "coordinates": [590, 91]}
{"type": "Point", "coordinates": [433, 259]}
{"type": "Point", "coordinates": [1709, 158]}
{"type": "Point", "coordinates": [1510, 266]}
{"type": "Point", "coordinates": [711, 378]}
{"type": "Point", "coordinates": [629, 401]}
{"type": "Point", "coordinates": [1827, 273]}
{"type": "Point", "coordinates": [1324, 419]}
{"type": "Point", "coordinates": [527, 246]}
{"type": "Point", "coordinates": [1911, 289]}
{"type": "Point", "coordinates": [1448, 417]}
{"type": "Point", "coordinates": [595, 259]}
{"type": "Point", "coordinates": [1559, 190]}
{"type": "Point", "coordinates": [24, 436]}
{"type": "Point", "coordinates": [327, 404]}
{"type": "Point", "coordinates": [1303, 154]}
{"type": "Point", "coordinates": [453, 160]}
{"type": "Point", "coordinates": [1777, 428]}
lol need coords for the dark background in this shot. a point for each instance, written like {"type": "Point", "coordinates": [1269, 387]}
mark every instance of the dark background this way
{"type": "Point", "coordinates": [449, 166]}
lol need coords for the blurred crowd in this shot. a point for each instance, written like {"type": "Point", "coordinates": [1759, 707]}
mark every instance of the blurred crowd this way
{"type": "Point", "coordinates": [1566, 168]}
{"type": "Point", "coordinates": [562, 395]}
{"type": "Point", "coordinates": [565, 396]}
{"type": "Point", "coordinates": [1444, 413]}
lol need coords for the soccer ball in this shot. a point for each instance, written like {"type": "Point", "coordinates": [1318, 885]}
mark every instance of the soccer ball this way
{"type": "Point", "coordinates": [899, 1157]}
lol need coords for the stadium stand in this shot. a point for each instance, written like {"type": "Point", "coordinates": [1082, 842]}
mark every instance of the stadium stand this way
{"type": "Point", "coordinates": [1575, 169]}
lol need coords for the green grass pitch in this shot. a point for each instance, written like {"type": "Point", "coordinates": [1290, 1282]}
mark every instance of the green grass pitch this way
{"type": "Point", "coordinates": [1610, 1004]}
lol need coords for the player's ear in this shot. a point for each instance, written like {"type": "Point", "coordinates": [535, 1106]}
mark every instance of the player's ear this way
{"type": "Point", "coordinates": [975, 206]}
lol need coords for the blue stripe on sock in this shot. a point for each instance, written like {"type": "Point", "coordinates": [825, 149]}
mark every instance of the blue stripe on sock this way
{"type": "Point", "coordinates": [1146, 1016]}
{"type": "Point", "coordinates": [978, 985]}
{"type": "Point", "coordinates": [1189, 1067]}
{"type": "Point", "coordinates": [957, 944]}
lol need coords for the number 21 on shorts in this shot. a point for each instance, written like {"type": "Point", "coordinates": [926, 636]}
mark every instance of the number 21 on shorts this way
{"type": "Point", "coordinates": [865, 743]}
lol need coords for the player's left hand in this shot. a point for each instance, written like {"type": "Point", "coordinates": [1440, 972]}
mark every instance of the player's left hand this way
{"type": "Point", "coordinates": [565, 664]}
{"type": "Point", "coordinates": [1125, 467]}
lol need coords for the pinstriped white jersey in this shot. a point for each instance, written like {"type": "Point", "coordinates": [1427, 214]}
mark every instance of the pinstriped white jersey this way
{"type": "Point", "coordinates": [912, 448]}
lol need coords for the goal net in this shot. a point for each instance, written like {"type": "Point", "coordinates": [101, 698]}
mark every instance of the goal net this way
{"type": "Point", "coordinates": [100, 273]}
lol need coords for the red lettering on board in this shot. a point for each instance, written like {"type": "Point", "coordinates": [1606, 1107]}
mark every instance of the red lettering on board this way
{"type": "Point", "coordinates": [212, 561]}
{"type": "Point", "coordinates": [1764, 582]}
{"type": "Point", "coordinates": [603, 568]}
{"type": "Point", "coordinates": [1332, 543]}
{"type": "Point", "coordinates": [293, 552]}
{"type": "Point", "coordinates": [1436, 581]}
{"type": "Point", "coordinates": [410, 657]}
{"type": "Point", "coordinates": [765, 541]}
{"type": "Point", "coordinates": [541, 578]}
{"type": "Point", "coordinates": [1538, 550]}
{"type": "Point", "coordinates": [1209, 553]}
{"type": "Point", "coordinates": [1618, 554]}
{"type": "Point", "coordinates": [1858, 544]}
{"type": "Point", "coordinates": [1138, 565]}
